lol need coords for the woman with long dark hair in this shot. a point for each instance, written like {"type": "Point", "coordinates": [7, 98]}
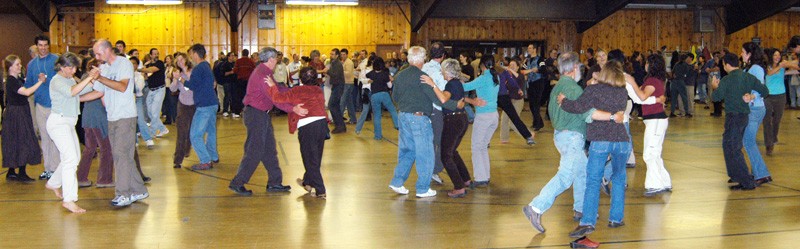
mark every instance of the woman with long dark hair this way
{"type": "Point", "coordinates": [379, 80]}
{"type": "Point", "coordinates": [486, 118]}
{"type": "Point", "coordinates": [510, 81]}
{"type": "Point", "coordinates": [755, 64]}
{"type": "Point", "coordinates": [657, 180]}
{"type": "Point", "coordinates": [20, 146]}
{"type": "Point", "coordinates": [775, 102]}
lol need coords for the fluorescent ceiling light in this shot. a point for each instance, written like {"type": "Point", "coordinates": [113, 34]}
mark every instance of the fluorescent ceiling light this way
{"type": "Point", "coordinates": [145, 2]}
{"type": "Point", "coordinates": [322, 2]}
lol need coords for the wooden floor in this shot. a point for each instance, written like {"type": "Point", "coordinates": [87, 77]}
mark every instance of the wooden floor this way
{"type": "Point", "coordinates": [189, 209]}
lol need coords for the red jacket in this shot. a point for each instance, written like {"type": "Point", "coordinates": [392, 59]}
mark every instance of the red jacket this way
{"type": "Point", "coordinates": [243, 67]}
{"type": "Point", "coordinates": [311, 97]}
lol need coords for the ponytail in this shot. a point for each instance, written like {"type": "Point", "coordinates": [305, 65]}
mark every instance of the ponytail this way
{"type": "Point", "coordinates": [488, 62]}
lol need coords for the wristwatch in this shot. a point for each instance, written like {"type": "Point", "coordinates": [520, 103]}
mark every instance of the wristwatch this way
{"type": "Point", "coordinates": [611, 117]}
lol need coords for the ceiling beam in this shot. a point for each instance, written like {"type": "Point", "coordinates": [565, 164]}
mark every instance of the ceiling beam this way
{"type": "Point", "coordinates": [742, 13]}
{"type": "Point", "coordinates": [37, 10]}
{"type": "Point", "coordinates": [420, 12]}
{"type": "Point", "coordinates": [514, 9]}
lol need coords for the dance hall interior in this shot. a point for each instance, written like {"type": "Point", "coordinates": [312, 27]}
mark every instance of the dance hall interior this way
{"type": "Point", "coordinates": [400, 123]}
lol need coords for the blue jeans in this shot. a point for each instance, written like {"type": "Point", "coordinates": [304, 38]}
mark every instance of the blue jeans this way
{"type": "Point", "coordinates": [599, 151]}
{"type": "Point", "coordinates": [363, 117]}
{"type": "Point", "coordinates": [377, 100]}
{"type": "Point", "coordinates": [348, 103]}
{"type": "Point", "coordinates": [701, 91]}
{"type": "Point", "coordinates": [607, 171]}
{"type": "Point", "coordinates": [415, 145]}
{"type": "Point", "coordinates": [140, 122]}
{"type": "Point", "coordinates": [759, 168]}
{"type": "Point", "coordinates": [571, 172]}
{"type": "Point", "coordinates": [154, 101]}
{"type": "Point", "coordinates": [204, 122]}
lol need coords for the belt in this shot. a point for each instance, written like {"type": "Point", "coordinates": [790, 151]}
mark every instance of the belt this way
{"type": "Point", "coordinates": [418, 113]}
{"type": "Point", "coordinates": [253, 108]}
{"type": "Point", "coordinates": [455, 113]}
{"type": "Point", "coordinates": [156, 88]}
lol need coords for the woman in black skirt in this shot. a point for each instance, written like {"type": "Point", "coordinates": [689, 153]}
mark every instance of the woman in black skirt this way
{"type": "Point", "coordinates": [20, 147]}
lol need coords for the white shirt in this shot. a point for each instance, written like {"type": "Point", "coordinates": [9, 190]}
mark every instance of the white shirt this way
{"type": "Point", "coordinates": [434, 69]}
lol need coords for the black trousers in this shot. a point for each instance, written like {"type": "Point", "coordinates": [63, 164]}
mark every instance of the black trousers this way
{"type": "Point", "coordinates": [772, 120]}
{"type": "Point", "coordinates": [504, 102]}
{"type": "Point", "coordinates": [535, 97]}
{"type": "Point", "coordinates": [259, 147]}
{"type": "Point", "coordinates": [735, 123]}
{"type": "Point", "coordinates": [312, 142]}
{"type": "Point", "coordinates": [239, 90]}
{"type": "Point", "coordinates": [334, 105]}
{"type": "Point", "coordinates": [455, 128]}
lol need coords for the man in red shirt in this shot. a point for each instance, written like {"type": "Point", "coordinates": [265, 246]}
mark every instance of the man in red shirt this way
{"type": "Point", "coordinates": [260, 144]}
{"type": "Point", "coordinates": [242, 68]}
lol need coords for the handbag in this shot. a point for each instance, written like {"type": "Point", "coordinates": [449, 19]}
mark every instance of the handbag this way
{"type": "Point", "coordinates": [365, 92]}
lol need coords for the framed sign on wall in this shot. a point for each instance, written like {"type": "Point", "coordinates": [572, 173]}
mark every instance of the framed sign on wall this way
{"type": "Point", "coordinates": [266, 15]}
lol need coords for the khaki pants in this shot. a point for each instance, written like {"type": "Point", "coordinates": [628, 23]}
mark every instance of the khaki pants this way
{"type": "Point", "coordinates": [122, 134]}
{"type": "Point", "coordinates": [49, 151]}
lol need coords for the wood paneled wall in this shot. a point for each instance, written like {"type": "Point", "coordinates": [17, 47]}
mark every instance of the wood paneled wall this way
{"type": "Point", "coordinates": [557, 34]}
{"type": "Point", "coordinates": [303, 28]}
{"type": "Point", "coordinates": [640, 30]}
{"type": "Point", "coordinates": [299, 29]}
{"type": "Point", "coordinates": [774, 31]}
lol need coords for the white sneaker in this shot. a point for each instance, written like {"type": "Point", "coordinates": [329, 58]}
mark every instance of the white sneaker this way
{"type": "Point", "coordinates": [437, 179]}
{"type": "Point", "coordinates": [121, 201]}
{"type": "Point", "coordinates": [150, 144]}
{"type": "Point", "coordinates": [400, 190]}
{"type": "Point", "coordinates": [430, 193]}
{"type": "Point", "coordinates": [139, 197]}
{"type": "Point", "coordinates": [225, 114]}
{"type": "Point", "coordinates": [236, 115]}
{"type": "Point", "coordinates": [162, 133]}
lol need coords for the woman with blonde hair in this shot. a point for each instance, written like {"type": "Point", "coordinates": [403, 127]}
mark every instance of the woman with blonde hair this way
{"type": "Point", "coordinates": [608, 138]}
{"type": "Point", "coordinates": [20, 147]}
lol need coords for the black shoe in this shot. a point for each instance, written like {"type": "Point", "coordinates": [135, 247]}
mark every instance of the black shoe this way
{"type": "Point", "coordinates": [12, 177]}
{"type": "Point", "coordinates": [176, 166]}
{"type": "Point", "coordinates": [741, 187]}
{"type": "Point", "coordinates": [581, 231]}
{"type": "Point", "coordinates": [731, 181]}
{"type": "Point", "coordinates": [26, 179]}
{"type": "Point", "coordinates": [689, 115]}
{"type": "Point", "coordinates": [241, 190]}
{"type": "Point", "coordinates": [612, 224]}
{"type": "Point", "coordinates": [716, 114]}
{"type": "Point", "coordinates": [146, 179]}
{"type": "Point", "coordinates": [278, 188]}
{"type": "Point", "coordinates": [215, 161]}
{"type": "Point", "coordinates": [338, 130]}
{"type": "Point", "coordinates": [673, 116]}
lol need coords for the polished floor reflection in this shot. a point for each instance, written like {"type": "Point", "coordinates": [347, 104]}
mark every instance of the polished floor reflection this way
{"type": "Point", "coordinates": [189, 209]}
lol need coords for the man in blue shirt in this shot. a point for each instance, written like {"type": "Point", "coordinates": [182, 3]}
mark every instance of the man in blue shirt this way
{"type": "Point", "coordinates": [536, 85]}
{"type": "Point", "coordinates": [204, 122]}
{"type": "Point", "coordinates": [43, 63]}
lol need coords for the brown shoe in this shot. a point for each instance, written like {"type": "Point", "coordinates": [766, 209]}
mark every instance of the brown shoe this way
{"type": "Point", "coordinates": [770, 149]}
{"type": "Point", "coordinates": [763, 180]}
{"type": "Point", "coordinates": [457, 193]}
{"type": "Point", "coordinates": [306, 187]}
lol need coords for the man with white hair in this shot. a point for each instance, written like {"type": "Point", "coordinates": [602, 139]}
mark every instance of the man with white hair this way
{"type": "Point", "coordinates": [113, 85]}
{"type": "Point", "coordinates": [569, 138]}
{"type": "Point", "coordinates": [415, 104]}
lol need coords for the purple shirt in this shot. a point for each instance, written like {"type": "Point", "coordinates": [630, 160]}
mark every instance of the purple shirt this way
{"type": "Point", "coordinates": [186, 97]}
{"type": "Point", "coordinates": [256, 95]}
{"type": "Point", "coordinates": [507, 78]}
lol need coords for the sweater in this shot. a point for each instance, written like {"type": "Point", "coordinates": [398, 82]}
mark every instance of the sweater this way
{"type": "Point", "coordinates": [310, 96]}
{"type": "Point", "coordinates": [605, 97]}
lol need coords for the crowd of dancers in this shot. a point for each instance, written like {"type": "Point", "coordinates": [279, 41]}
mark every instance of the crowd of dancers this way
{"type": "Point", "coordinates": [432, 99]}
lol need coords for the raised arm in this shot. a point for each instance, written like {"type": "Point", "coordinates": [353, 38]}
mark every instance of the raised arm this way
{"type": "Point", "coordinates": [27, 91]}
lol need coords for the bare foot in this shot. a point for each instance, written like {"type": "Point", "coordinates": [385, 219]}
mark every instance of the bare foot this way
{"type": "Point", "coordinates": [72, 207]}
{"type": "Point", "coordinates": [56, 190]}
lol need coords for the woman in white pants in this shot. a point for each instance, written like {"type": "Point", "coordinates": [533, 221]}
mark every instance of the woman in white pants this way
{"type": "Point", "coordinates": [657, 179]}
{"type": "Point", "coordinates": [64, 93]}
